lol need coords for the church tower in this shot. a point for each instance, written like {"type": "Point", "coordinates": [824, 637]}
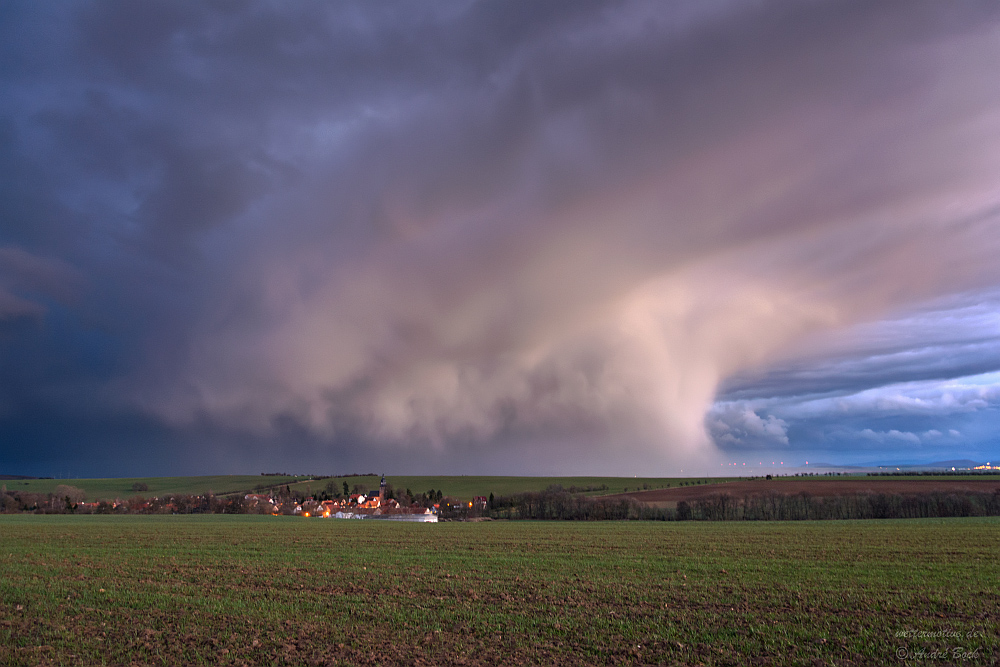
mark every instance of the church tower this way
{"type": "Point", "coordinates": [381, 492]}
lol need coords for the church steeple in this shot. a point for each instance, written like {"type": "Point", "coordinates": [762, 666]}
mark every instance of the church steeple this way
{"type": "Point", "coordinates": [381, 491]}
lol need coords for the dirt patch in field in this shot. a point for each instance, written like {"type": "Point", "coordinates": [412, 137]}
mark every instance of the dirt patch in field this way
{"type": "Point", "coordinates": [818, 488]}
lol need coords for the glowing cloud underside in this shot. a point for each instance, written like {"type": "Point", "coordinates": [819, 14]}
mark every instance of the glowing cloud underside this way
{"type": "Point", "coordinates": [458, 227]}
{"type": "Point", "coordinates": [607, 259]}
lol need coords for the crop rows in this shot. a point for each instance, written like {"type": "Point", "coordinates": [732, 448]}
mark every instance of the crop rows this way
{"type": "Point", "coordinates": [163, 590]}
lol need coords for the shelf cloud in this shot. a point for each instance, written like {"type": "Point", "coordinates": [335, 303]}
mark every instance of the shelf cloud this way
{"type": "Point", "coordinates": [599, 236]}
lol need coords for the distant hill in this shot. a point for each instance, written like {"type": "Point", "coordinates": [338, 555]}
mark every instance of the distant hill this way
{"type": "Point", "coordinates": [111, 488]}
{"type": "Point", "coordinates": [936, 465]}
{"type": "Point", "coordinates": [464, 487]}
{"type": "Point", "coordinates": [960, 463]}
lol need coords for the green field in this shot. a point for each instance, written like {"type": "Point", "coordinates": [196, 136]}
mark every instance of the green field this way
{"type": "Point", "coordinates": [112, 487]}
{"type": "Point", "coordinates": [460, 486]}
{"type": "Point", "coordinates": [465, 487]}
{"type": "Point", "coordinates": [166, 590]}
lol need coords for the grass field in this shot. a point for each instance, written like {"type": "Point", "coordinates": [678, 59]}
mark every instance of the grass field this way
{"type": "Point", "coordinates": [111, 488]}
{"type": "Point", "coordinates": [164, 590]}
{"type": "Point", "coordinates": [459, 486]}
{"type": "Point", "coordinates": [466, 486]}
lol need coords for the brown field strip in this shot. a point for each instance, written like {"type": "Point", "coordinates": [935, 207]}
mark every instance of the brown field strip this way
{"type": "Point", "coordinates": [818, 488]}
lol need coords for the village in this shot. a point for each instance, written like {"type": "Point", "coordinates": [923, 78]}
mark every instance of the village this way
{"type": "Point", "coordinates": [352, 506]}
{"type": "Point", "coordinates": [427, 507]}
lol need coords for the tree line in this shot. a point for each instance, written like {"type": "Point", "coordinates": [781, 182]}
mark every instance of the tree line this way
{"type": "Point", "coordinates": [557, 504]}
{"type": "Point", "coordinates": [66, 499]}
{"type": "Point", "coordinates": [930, 473]}
{"type": "Point", "coordinates": [777, 507]}
{"type": "Point", "coordinates": [553, 503]}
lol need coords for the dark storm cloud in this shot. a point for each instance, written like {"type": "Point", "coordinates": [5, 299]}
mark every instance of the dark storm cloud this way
{"type": "Point", "coordinates": [25, 279]}
{"type": "Point", "coordinates": [462, 230]}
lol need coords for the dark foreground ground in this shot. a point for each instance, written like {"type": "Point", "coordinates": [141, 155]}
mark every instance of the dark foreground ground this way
{"type": "Point", "coordinates": [243, 590]}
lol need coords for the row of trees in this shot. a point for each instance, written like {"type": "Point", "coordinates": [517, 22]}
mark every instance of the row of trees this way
{"type": "Point", "coordinates": [69, 503]}
{"type": "Point", "coordinates": [560, 505]}
{"type": "Point", "coordinates": [69, 499]}
{"type": "Point", "coordinates": [62, 499]}
{"type": "Point", "coordinates": [930, 473]}
{"type": "Point", "coordinates": [776, 507]}
{"type": "Point", "coordinates": [556, 504]}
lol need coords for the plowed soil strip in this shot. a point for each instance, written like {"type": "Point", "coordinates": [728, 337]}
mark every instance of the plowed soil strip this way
{"type": "Point", "coordinates": [819, 488]}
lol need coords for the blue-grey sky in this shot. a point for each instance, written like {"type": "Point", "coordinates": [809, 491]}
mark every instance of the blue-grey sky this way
{"type": "Point", "coordinates": [497, 237]}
